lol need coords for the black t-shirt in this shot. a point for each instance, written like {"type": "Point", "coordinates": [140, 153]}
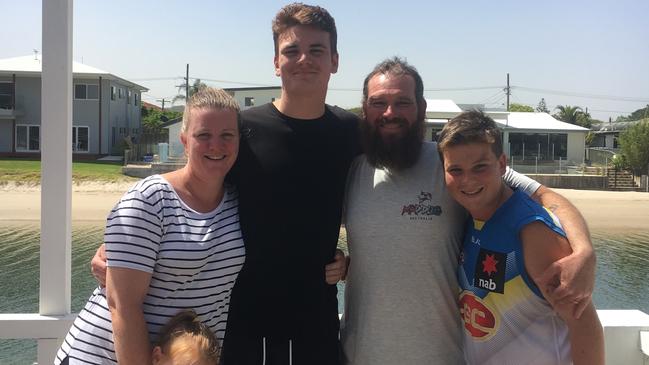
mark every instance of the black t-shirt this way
{"type": "Point", "coordinates": [291, 177]}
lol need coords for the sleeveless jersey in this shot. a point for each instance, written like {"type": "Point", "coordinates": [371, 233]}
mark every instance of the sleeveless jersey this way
{"type": "Point", "coordinates": [506, 319]}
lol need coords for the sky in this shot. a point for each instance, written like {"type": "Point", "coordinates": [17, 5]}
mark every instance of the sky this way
{"type": "Point", "coordinates": [594, 54]}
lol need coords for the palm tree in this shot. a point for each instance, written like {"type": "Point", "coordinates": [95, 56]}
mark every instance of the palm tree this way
{"type": "Point", "coordinates": [193, 89]}
{"type": "Point", "coordinates": [568, 113]}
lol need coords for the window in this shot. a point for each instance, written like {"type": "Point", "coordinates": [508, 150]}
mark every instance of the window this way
{"type": "Point", "coordinates": [112, 93]}
{"type": "Point", "coordinates": [530, 146]}
{"type": "Point", "coordinates": [135, 99]}
{"type": "Point", "coordinates": [128, 97]}
{"type": "Point", "coordinates": [80, 139]}
{"type": "Point", "coordinates": [249, 101]}
{"type": "Point", "coordinates": [120, 93]}
{"type": "Point", "coordinates": [28, 138]}
{"type": "Point", "coordinates": [86, 92]}
{"type": "Point", "coordinates": [6, 95]}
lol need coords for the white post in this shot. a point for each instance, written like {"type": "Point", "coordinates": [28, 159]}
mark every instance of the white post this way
{"type": "Point", "coordinates": [56, 166]}
{"type": "Point", "coordinates": [536, 165]}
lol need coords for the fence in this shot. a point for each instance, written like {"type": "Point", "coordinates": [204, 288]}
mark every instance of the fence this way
{"type": "Point", "coordinates": [536, 166]}
{"type": "Point", "coordinates": [145, 146]}
{"type": "Point", "coordinates": [599, 156]}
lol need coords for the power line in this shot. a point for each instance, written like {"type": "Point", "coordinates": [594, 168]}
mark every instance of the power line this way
{"type": "Point", "coordinates": [158, 78]}
{"type": "Point", "coordinates": [583, 95]}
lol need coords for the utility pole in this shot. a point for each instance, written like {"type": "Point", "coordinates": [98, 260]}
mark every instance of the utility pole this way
{"type": "Point", "coordinates": [187, 85]}
{"type": "Point", "coordinates": [163, 103]}
{"type": "Point", "coordinates": [508, 91]}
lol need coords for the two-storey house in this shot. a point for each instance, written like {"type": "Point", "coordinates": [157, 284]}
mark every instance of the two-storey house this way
{"type": "Point", "coordinates": [106, 109]}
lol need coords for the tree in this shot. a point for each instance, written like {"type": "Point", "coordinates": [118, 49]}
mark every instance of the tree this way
{"type": "Point", "coordinates": [634, 144]}
{"type": "Point", "coordinates": [514, 107]}
{"type": "Point", "coordinates": [193, 89]}
{"type": "Point", "coordinates": [584, 120]}
{"type": "Point", "coordinates": [153, 118]}
{"type": "Point", "coordinates": [573, 115]}
{"type": "Point", "coordinates": [590, 137]}
{"type": "Point", "coordinates": [542, 107]}
{"type": "Point", "coordinates": [357, 110]}
{"type": "Point", "coordinates": [640, 114]}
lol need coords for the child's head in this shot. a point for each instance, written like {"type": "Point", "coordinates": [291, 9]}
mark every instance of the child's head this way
{"type": "Point", "coordinates": [471, 149]}
{"type": "Point", "coordinates": [470, 127]}
{"type": "Point", "coordinates": [184, 340]}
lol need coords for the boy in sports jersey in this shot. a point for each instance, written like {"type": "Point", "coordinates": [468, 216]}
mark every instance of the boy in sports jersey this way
{"type": "Point", "coordinates": [508, 244]}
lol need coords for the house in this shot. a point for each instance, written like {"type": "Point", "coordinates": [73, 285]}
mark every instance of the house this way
{"type": "Point", "coordinates": [606, 136]}
{"type": "Point", "coordinates": [105, 109]}
{"type": "Point", "coordinates": [176, 148]}
{"type": "Point", "coordinates": [527, 137]}
{"type": "Point", "coordinates": [247, 97]}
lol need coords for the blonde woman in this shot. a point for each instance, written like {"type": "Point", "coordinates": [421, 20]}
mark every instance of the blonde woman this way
{"type": "Point", "coordinates": [173, 242]}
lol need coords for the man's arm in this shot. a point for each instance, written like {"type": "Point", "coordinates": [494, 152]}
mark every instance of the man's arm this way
{"type": "Point", "coordinates": [98, 265]}
{"type": "Point", "coordinates": [542, 247]}
{"type": "Point", "coordinates": [575, 272]}
{"type": "Point", "coordinates": [336, 270]}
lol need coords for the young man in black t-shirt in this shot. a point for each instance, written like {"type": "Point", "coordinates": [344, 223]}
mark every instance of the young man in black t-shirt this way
{"type": "Point", "coordinates": [291, 174]}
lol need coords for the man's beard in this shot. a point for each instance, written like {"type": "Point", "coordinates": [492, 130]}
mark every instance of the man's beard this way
{"type": "Point", "coordinates": [396, 152]}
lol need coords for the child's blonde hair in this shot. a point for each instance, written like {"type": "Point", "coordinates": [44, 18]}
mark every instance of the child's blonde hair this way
{"type": "Point", "coordinates": [186, 328]}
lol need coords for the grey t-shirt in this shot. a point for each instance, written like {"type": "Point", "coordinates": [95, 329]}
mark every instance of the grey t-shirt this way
{"type": "Point", "coordinates": [404, 233]}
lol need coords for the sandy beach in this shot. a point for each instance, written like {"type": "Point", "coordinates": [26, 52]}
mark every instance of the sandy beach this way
{"type": "Point", "coordinates": [603, 210]}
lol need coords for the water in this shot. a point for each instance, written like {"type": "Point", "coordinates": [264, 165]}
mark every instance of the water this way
{"type": "Point", "coordinates": [622, 275]}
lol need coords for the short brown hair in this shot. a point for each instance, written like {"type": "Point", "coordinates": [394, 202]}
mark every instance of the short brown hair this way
{"type": "Point", "coordinates": [210, 98]}
{"type": "Point", "coordinates": [470, 127]}
{"type": "Point", "coordinates": [301, 14]}
{"type": "Point", "coordinates": [187, 326]}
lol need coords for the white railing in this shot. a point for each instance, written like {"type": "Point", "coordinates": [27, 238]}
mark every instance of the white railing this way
{"type": "Point", "coordinates": [626, 334]}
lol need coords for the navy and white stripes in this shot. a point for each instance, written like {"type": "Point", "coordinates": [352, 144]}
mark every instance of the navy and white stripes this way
{"type": "Point", "coordinates": [194, 259]}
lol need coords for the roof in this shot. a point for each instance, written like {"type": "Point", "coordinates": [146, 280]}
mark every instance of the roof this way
{"type": "Point", "coordinates": [524, 121]}
{"type": "Point", "coordinates": [253, 88]}
{"type": "Point", "coordinates": [150, 106]}
{"type": "Point", "coordinates": [617, 127]}
{"type": "Point", "coordinates": [539, 121]}
{"type": "Point", "coordinates": [171, 122]}
{"type": "Point", "coordinates": [441, 108]}
{"type": "Point", "coordinates": [32, 66]}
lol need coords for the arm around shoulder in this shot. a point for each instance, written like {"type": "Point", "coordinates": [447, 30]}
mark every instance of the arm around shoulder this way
{"type": "Point", "coordinates": [541, 248]}
{"type": "Point", "coordinates": [575, 272]}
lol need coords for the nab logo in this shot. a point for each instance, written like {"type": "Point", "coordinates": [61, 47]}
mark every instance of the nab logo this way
{"type": "Point", "coordinates": [490, 271]}
{"type": "Point", "coordinates": [479, 320]}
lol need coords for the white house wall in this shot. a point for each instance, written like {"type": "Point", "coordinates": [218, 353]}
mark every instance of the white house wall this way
{"type": "Point", "coordinates": [176, 148]}
{"type": "Point", "coordinates": [261, 97]}
{"type": "Point", "coordinates": [576, 147]}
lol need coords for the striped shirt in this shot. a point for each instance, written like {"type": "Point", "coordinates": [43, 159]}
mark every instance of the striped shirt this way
{"type": "Point", "coordinates": [194, 259]}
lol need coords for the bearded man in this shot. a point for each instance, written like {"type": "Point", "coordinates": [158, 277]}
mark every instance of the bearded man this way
{"type": "Point", "coordinates": [404, 233]}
